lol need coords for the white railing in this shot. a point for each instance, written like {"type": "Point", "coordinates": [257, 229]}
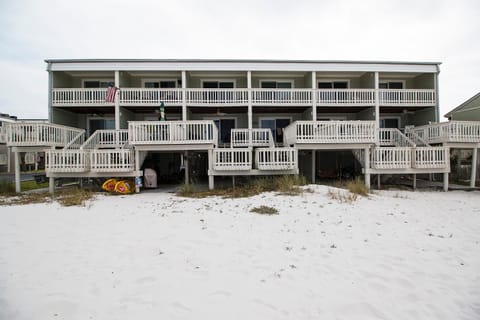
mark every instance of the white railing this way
{"type": "Point", "coordinates": [276, 158]}
{"type": "Point", "coordinates": [257, 137]}
{"type": "Point", "coordinates": [79, 96]}
{"type": "Point", "coordinates": [40, 134]}
{"type": "Point", "coordinates": [282, 96]}
{"type": "Point", "coordinates": [411, 97]}
{"type": "Point", "coordinates": [417, 136]}
{"type": "Point", "coordinates": [330, 132]}
{"type": "Point", "coordinates": [391, 158]}
{"type": "Point", "coordinates": [106, 139]}
{"type": "Point", "coordinates": [3, 133]}
{"type": "Point", "coordinates": [150, 96]}
{"type": "Point", "coordinates": [67, 161]}
{"type": "Point", "coordinates": [394, 137]}
{"type": "Point", "coordinates": [121, 160]}
{"type": "Point", "coordinates": [232, 159]}
{"type": "Point", "coordinates": [76, 142]}
{"type": "Point", "coordinates": [172, 132]}
{"type": "Point", "coordinates": [431, 157]}
{"type": "Point", "coordinates": [454, 131]}
{"type": "Point", "coordinates": [327, 97]}
{"type": "Point", "coordinates": [217, 96]}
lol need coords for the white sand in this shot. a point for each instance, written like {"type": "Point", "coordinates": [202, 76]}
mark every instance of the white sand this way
{"type": "Point", "coordinates": [396, 255]}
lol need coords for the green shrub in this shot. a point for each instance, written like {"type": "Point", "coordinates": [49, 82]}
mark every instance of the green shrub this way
{"type": "Point", "coordinates": [357, 187]}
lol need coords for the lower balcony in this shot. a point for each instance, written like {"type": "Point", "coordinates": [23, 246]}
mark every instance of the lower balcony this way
{"type": "Point", "coordinates": [452, 131]}
{"type": "Point", "coordinates": [329, 132]}
{"type": "Point", "coordinates": [40, 134]}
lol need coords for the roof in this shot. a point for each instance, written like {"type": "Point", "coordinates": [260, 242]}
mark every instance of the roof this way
{"type": "Point", "coordinates": [238, 65]}
{"type": "Point", "coordinates": [463, 105]}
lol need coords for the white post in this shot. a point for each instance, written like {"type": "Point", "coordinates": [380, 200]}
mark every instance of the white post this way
{"type": "Point", "coordinates": [379, 181]}
{"type": "Point", "coordinates": [377, 106]}
{"type": "Point", "coordinates": [414, 181]}
{"type": "Point", "coordinates": [185, 163]}
{"type": "Point", "coordinates": [473, 174]}
{"type": "Point", "coordinates": [211, 181]}
{"type": "Point", "coordinates": [9, 164]}
{"type": "Point", "coordinates": [137, 168]}
{"type": "Point", "coordinates": [445, 181]}
{"type": "Point", "coordinates": [17, 172]}
{"type": "Point", "coordinates": [250, 107]}
{"type": "Point", "coordinates": [367, 167]}
{"type": "Point", "coordinates": [117, 101]}
{"type": "Point", "coordinates": [184, 95]}
{"type": "Point", "coordinates": [51, 185]}
{"type": "Point", "coordinates": [314, 153]}
{"type": "Point", "coordinates": [314, 98]}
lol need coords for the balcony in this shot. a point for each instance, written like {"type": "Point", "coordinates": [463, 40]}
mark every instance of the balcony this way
{"type": "Point", "coordinates": [240, 96]}
{"type": "Point", "coordinates": [229, 159]}
{"type": "Point", "coordinates": [329, 132]}
{"type": "Point", "coordinates": [172, 132]}
{"type": "Point", "coordinates": [257, 137]}
{"type": "Point", "coordinates": [452, 131]}
{"type": "Point", "coordinates": [276, 158]}
{"type": "Point", "coordinates": [41, 134]}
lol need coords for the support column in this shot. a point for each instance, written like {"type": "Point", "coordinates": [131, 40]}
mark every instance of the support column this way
{"type": "Point", "coordinates": [137, 168]}
{"type": "Point", "coordinates": [187, 172]}
{"type": "Point", "coordinates": [250, 107]}
{"type": "Point", "coordinates": [314, 156]}
{"type": "Point", "coordinates": [51, 185]}
{"type": "Point", "coordinates": [117, 101]}
{"type": "Point", "coordinates": [211, 181]}
{"type": "Point", "coordinates": [9, 164]}
{"type": "Point", "coordinates": [17, 172]}
{"type": "Point", "coordinates": [377, 106]}
{"type": "Point", "coordinates": [414, 181]}
{"type": "Point", "coordinates": [184, 96]}
{"type": "Point", "coordinates": [473, 174]}
{"type": "Point", "coordinates": [367, 167]}
{"type": "Point", "coordinates": [314, 98]}
{"type": "Point", "coordinates": [379, 181]}
{"type": "Point", "coordinates": [445, 181]}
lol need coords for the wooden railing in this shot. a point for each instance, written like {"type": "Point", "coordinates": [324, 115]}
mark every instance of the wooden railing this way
{"type": "Point", "coordinates": [332, 97]}
{"type": "Point", "coordinates": [150, 96]}
{"type": "Point", "coordinates": [394, 137]}
{"type": "Point", "coordinates": [217, 96]}
{"type": "Point", "coordinates": [452, 131]}
{"type": "Point", "coordinates": [431, 157]}
{"type": "Point", "coordinates": [106, 139]}
{"type": "Point", "coordinates": [257, 137]}
{"type": "Point", "coordinates": [391, 157]}
{"type": "Point", "coordinates": [330, 132]}
{"type": "Point", "coordinates": [40, 134]}
{"type": "Point", "coordinates": [67, 161]}
{"type": "Point", "coordinates": [410, 97]}
{"type": "Point", "coordinates": [276, 158]}
{"type": "Point", "coordinates": [121, 160]}
{"type": "Point", "coordinates": [172, 132]}
{"type": "Point", "coordinates": [232, 159]}
{"type": "Point", "coordinates": [282, 96]}
{"type": "Point", "coordinates": [236, 96]}
{"type": "Point", "coordinates": [79, 96]}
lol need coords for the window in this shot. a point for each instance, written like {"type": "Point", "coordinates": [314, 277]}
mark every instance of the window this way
{"type": "Point", "coordinates": [100, 124]}
{"type": "Point", "coordinates": [224, 127]}
{"type": "Point", "coordinates": [391, 85]}
{"type": "Point", "coordinates": [390, 123]}
{"type": "Point", "coordinates": [276, 126]}
{"type": "Point", "coordinates": [164, 84]}
{"type": "Point", "coordinates": [276, 84]}
{"type": "Point", "coordinates": [98, 83]}
{"type": "Point", "coordinates": [218, 84]}
{"type": "Point", "coordinates": [340, 84]}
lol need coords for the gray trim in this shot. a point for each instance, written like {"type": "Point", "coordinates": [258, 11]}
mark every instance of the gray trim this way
{"type": "Point", "coordinates": [50, 86]}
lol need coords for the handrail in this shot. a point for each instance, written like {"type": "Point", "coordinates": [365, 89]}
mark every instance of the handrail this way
{"type": "Point", "coordinates": [256, 137]}
{"type": "Point", "coordinates": [106, 138]}
{"type": "Point", "coordinates": [40, 134]}
{"type": "Point", "coordinates": [76, 142]}
{"type": "Point", "coordinates": [393, 136]}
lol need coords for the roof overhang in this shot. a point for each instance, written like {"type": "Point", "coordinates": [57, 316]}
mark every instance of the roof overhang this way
{"type": "Point", "coordinates": [238, 65]}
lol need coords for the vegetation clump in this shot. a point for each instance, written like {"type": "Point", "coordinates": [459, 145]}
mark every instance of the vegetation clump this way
{"type": "Point", "coordinates": [357, 187]}
{"type": "Point", "coordinates": [264, 210]}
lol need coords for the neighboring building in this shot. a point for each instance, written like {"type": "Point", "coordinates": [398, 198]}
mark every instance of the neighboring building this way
{"type": "Point", "coordinates": [468, 111]}
{"type": "Point", "coordinates": [238, 117]}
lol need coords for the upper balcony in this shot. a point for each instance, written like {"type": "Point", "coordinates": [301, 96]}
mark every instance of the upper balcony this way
{"type": "Point", "coordinates": [240, 97]}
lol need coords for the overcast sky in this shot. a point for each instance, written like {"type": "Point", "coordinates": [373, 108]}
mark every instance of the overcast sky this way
{"type": "Point", "coordinates": [34, 30]}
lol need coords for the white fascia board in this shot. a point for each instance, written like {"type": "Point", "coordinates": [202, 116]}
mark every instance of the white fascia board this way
{"type": "Point", "coordinates": [241, 66]}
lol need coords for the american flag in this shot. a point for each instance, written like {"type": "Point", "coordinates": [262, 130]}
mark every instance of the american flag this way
{"type": "Point", "coordinates": [110, 96]}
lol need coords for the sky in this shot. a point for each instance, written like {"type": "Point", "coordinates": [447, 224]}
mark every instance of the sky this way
{"type": "Point", "coordinates": [422, 30]}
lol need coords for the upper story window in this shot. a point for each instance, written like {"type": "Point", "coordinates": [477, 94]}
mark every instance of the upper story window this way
{"type": "Point", "coordinates": [391, 85]}
{"type": "Point", "coordinates": [160, 84]}
{"type": "Point", "coordinates": [223, 84]}
{"type": "Point", "coordinates": [98, 83]}
{"type": "Point", "coordinates": [338, 84]}
{"type": "Point", "coordinates": [269, 84]}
